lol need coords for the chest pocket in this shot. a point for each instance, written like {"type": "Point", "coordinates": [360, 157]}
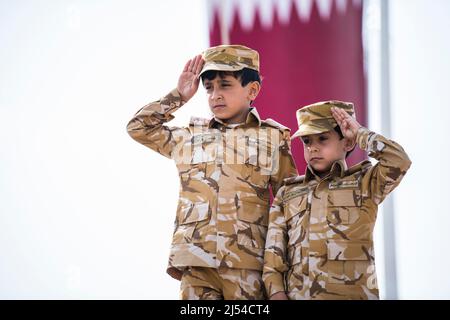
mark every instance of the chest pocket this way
{"type": "Point", "coordinates": [295, 211]}
{"type": "Point", "coordinates": [344, 202]}
{"type": "Point", "coordinates": [204, 147]}
{"type": "Point", "coordinates": [255, 155]}
{"type": "Point", "coordinates": [252, 223]}
{"type": "Point", "coordinates": [259, 153]}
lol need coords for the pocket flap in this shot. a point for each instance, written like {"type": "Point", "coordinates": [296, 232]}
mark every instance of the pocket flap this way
{"type": "Point", "coordinates": [255, 151]}
{"type": "Point", "coordinates": [204, 148]}
{"type": "Point", "coordinates": [194, 211]}
{"type": "Point", "coordinates": [295, 206]}
{"type": "Point", "coordinates": [342, 250]}
{"type": "Point", "coordinates": [345, 197]}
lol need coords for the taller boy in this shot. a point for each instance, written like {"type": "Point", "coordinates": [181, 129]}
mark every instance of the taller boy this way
{"type": "Point", "coordinates": [226, 165]}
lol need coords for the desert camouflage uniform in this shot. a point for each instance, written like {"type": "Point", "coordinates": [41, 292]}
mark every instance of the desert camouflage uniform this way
{"type": "Point", "coordinates": [225, 178]}
{"type": "Point", "coordinates": [320, 239]}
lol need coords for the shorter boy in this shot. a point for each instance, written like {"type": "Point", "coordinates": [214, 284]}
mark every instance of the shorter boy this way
{"type": "Point", "coordinates": [320, 239]}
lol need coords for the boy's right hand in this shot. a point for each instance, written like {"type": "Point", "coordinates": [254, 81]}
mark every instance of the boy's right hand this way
{"type": "Point", "coordinates": [189, 78]}
{"type": "Point", "coordinates": [279, 296]}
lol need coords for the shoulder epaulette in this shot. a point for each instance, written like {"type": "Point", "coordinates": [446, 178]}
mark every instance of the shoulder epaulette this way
{"type": "Point", "coordinates": [275, 124]}
{"type": "Point", "coordinates": [362, 166]}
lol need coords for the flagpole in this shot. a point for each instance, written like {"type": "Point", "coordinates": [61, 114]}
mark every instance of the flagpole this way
{"type": "Point", "coordinates": [390, 255]}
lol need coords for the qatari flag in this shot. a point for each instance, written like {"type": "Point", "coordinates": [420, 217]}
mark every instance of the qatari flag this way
{"type": "Point", "coordinates": [310, 51]}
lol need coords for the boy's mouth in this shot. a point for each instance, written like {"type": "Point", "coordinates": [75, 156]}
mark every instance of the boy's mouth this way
{"type": "Point", "coordinates": [315, 159]}
{"type": "Point", "coordinates": [219, 106]}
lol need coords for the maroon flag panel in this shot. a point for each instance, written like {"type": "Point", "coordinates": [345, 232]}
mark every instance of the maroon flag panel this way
{"type": "Point", "coordinates": [308, 57]}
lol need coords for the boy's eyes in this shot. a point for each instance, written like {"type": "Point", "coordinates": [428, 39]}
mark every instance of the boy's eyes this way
{"type": "Point", "coordinates": [209, 87]}
{"type": "Point", "coordinates": [321, 138]}
{"type": "Point", "coordinates": [224, 83]}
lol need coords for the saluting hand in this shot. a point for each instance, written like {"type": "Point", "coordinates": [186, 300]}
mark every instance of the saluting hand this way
{"type": "Point", "coordinates": [189, 78]}
{"type": "Point", "coordinates": [349, 126]}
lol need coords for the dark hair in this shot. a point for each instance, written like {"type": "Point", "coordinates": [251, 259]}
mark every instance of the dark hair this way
{"type": "Point", "coordinates": [245, 75]}
{"type": "Point", "coordinates": [341, 136]}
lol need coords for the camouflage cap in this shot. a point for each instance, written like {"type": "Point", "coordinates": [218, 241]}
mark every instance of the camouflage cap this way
{"type": "Point", "coordinates": [230, 58]}
{"type": "Point", "coordinates": [317, 117]}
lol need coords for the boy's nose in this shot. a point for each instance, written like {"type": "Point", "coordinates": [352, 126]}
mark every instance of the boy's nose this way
{"type": "Point", "coordinates": [215, 95]}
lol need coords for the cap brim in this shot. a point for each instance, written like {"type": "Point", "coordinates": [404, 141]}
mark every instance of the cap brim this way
{"type": "Point", "coordinates": [219, 67]}
{"type": "Point", "coordinates": [308, 131]}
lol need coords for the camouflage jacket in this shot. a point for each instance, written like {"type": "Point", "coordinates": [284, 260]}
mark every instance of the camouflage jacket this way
{"type": "Point", "coordinates": [319, 243]}
{"type": "Point", "coordinates": [225, 179]}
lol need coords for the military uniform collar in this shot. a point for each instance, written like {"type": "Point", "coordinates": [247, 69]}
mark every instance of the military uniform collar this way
{"type": "Point", "coordinates": [338, 169]}
{"type": "Point", "coordinates": [252, 119]}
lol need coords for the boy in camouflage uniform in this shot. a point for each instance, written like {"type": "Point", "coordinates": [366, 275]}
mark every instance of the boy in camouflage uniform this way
{"type": "Point", "coordinates": [320, 239]}
{"type": "Point", "coordinates": [226, 166]}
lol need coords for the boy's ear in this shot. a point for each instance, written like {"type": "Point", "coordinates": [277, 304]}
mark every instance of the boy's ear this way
{"type": "Point", "coordinates": [254, 87]}
{"type": "Point", "coordinates": [349, 145]}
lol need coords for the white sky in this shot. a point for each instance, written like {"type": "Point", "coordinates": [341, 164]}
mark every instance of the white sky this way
{"type": "Point", "coordinates": [86, 212]}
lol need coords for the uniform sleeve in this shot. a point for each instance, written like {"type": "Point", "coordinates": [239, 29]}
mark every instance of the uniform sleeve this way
{"type": "Point", "coordinates": [146, 126]}
{"type": "Point", "coordinates": [275, 263]}
{"type": "Point", "coordinates": [393, 163]}
{"type": "Point", "coordinates": [285, 165]}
